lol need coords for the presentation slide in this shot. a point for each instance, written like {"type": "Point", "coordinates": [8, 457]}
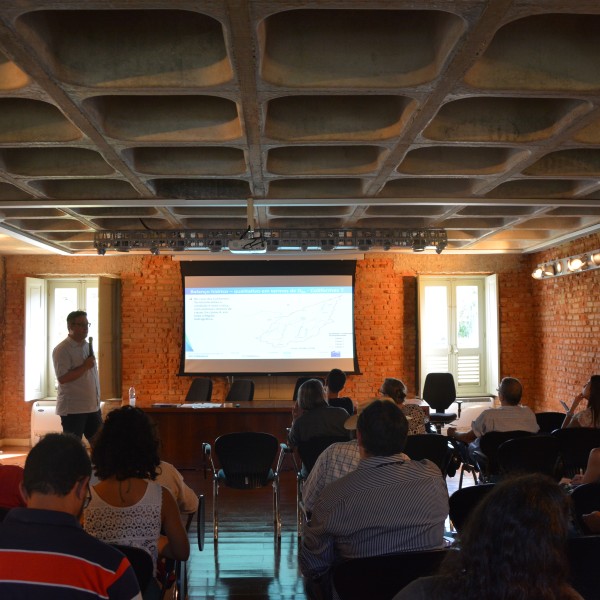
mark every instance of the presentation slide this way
{"type": "Point", "coordinates": [268, 324]}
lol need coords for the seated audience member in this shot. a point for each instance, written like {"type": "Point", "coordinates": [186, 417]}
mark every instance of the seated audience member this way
{"type": "Point", "coordinates": [168, 476]}
{"type": "Point", "coordinates": [592, 521]}
{"type": "Point", "coordinates": [388, 504]}
{"type": "Point", "coordinates": [509, 416]}
{"type": "Point", "coordinates": [334, 462]}
{"type": "Point", "coordinates": [514, 546]}
{"type": "Point", "coordinates": [127, 505]}
{"type": "Point", "coordinates": [313, 417]}
{"type": "Point", "coordinates": [590, 416]}
{"type": "Point", "coordinates": [11, 477]}
{"type": "Point", "coordinates": [334, 384]}
{"type": "Point", "coordinates": [396, 390]}
{"type": "Point", "coordinates": [592, 471]}
{"type": "Point", "coordinates": [45, 552]}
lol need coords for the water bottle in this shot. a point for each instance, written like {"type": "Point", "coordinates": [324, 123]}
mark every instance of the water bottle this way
{"type": "Point", "coordinates": [131, 396]}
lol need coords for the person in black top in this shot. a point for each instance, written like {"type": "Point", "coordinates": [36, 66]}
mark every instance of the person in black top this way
{"type": "Point", "coordinates": [334, 384]}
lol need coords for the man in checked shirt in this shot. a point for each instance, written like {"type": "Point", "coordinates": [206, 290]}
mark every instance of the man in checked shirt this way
{"type": "Point", "coordinates": [388, 504]}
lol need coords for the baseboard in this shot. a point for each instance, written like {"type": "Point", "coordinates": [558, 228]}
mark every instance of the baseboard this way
{"type": "Point", "coordinates": [14, 442]}
{"type": "Point", "coordinates": [477, 399]}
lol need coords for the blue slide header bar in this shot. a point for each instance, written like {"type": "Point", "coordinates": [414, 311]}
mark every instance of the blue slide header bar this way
{"type": "Point", "coordinates": [269, 290]}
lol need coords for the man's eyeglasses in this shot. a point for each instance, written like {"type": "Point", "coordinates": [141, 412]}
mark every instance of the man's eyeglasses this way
{"type": "Point", "coordinates": [88, 498]}
{"type": "Point", "coordinates": [86, 325]}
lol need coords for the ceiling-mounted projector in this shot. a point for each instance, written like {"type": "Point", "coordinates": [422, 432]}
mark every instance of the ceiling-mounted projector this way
{"type": "Point", "coordinates": [247, 246]}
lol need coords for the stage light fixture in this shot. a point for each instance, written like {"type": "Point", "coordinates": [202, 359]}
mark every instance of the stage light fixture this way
{"type": "Point", "coordinates": [271, 240]}
{"type": "Point", "coordinates": [569, 265]}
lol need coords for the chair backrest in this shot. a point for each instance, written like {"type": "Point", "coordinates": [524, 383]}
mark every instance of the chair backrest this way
{"type": "Point", "coordinates": [585, 499]}
{"type": "Point", "coordinates": [583, 552]}
{"type": "Point", "coordinates": [382, 577]}
{"type": "Point", "coordinates": [576, 443]}
{"type": "Point", "coordinates": [246, 458]}
{"type": "Point", "coordinates": [549, 421]}
{"type": "Point", "coordinates": [200, 390]}
{"type": "Point", "coordinates": [241, 390]}
{"type": "Point", "coordinates": [310, 449]}
{"type": "Point", "coordinates": [489, 444]}
{"type": "Point", "coordinates": [439, 391]}
{"type": "Point", "coordinates": [530, 454]}
{"type": "Point", "coordinates": [431, 446]}
{"type": "Point", "coordinates": [345, 403]}
{"type": "Point", "coordinates": [141, 561]}
{"type": "Point", "coordinates": [463, 501]}
{"type": "Point", "coordinates": [300, 381]}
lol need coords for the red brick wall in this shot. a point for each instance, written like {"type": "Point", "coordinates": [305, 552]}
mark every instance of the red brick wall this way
{"type": "Point", "coordinates": [386, 308]}
{"type": "Point", "coordinates": [566, 332]}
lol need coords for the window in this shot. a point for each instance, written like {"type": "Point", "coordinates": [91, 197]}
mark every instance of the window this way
{"type": "Point", "coordinates": [48, 302]}
{"type": "Point", "coordinates": [458, 331]}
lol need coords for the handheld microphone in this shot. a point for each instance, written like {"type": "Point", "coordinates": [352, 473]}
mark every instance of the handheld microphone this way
{"type": "Point", "coordinates": [90, 342]}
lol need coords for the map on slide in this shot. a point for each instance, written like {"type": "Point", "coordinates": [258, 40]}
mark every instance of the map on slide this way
{"type": "Point", "coordinates": [274, 323]}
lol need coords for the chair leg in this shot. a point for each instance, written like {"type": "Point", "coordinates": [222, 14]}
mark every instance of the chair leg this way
{"type": "Point", "coordinates": [276, 512]}
{"type": "Point", "coordinates": [215, 509]}
{"type": "Point", "coordinates": [299, 512]}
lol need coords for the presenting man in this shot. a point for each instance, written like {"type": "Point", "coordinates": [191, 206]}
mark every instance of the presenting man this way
{"type": "Point", "coordinates": [78, 401]}
{"type": "Point", "coordinates": [388, 504]}
{"type": "Point", "coordinates": [44, 551]}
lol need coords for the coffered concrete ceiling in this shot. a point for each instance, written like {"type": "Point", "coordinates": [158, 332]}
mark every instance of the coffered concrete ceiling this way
{"type": "Point", "coordinates": [479, 117]}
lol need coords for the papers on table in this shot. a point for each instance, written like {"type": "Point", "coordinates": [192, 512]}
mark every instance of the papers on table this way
{"type": "Point", "coordinates": [201, 405]}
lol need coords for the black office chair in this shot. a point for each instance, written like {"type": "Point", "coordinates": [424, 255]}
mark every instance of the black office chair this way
{"type": "Point", "coordinates": [382, 577]}
{"type": "Point", "coordinates": [439, 392]}
{"type": "Point", "coordinates": [300, 381]}
{"type": "Point", "coordinates": [141, 561]}
{"type": "Point", "coordinates": [3, 512]}
{"type": "Point", "coordinates": [200, 390]}
{"type": "Point", "coordinates": [344, 402]}
{"type": "Point", "coordinates": [175, 571]}
{"type": "Point", "coordinates": [241, 390]}
{"type": "Point", "coordinates": [463, 501]}
{"type": "Point", "coordinates": [549, 421]}
{"type": "Point", "coordinates": [585, 499]}
{"type": "Point", "coordinates": [309, 451]}
{"type": "Point", "coordinates": [584, 575]}
{"type": "Point", "coordinates": [530, 454]}
{"type": "Point", "coordinates": [431, 446]}
{"type": "Point", "coordinates": [246, 459]}
{"type": "Point", "coordinates": [576, 443]}
{"type": "Point", "coordinates": [486, 458]}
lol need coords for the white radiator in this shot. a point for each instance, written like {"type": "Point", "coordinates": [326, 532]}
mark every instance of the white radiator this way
{"type": "Point", "coordinates": [43, 419]}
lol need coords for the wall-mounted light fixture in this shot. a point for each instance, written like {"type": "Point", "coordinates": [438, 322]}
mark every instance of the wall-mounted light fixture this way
{"type": "Point", "coordinates": [568, 265]}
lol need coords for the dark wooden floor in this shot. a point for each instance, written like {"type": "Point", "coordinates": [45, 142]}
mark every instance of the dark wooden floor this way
{"type": "Point", "coordinates": [246, 562]}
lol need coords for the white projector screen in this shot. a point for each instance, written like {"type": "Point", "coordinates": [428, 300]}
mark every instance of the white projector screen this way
{"type": "Point", "coordinates": [268, 324]}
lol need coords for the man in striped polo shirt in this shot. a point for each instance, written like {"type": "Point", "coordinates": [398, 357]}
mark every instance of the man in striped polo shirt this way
{"type": "Point", "coordinates": [509, 416]}
{"type": "Point", "coordinates": [388, 504]}
{"type": "Point", "coordinates": [44, 552]}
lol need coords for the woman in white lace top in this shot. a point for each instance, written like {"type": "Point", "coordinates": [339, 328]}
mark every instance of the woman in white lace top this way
{"type": "Point", "coordinates": [127, 506]}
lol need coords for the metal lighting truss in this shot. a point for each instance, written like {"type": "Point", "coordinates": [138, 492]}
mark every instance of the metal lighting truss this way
{"type": "Point", "coordinates": [270, 240]}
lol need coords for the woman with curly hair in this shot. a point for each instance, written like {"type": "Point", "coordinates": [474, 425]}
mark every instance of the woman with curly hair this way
{"type": "Point", "coordinates": [396, 390]}
{"type": "Point", "coordinates": [513, 547]}
{"type": "Point", "coordinates": [127, 506]}
{"type": "Point", "coordinates": [589, 416]}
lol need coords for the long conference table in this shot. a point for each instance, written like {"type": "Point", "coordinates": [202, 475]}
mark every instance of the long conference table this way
{"type": "Point", "coordinates": [182, 429]}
